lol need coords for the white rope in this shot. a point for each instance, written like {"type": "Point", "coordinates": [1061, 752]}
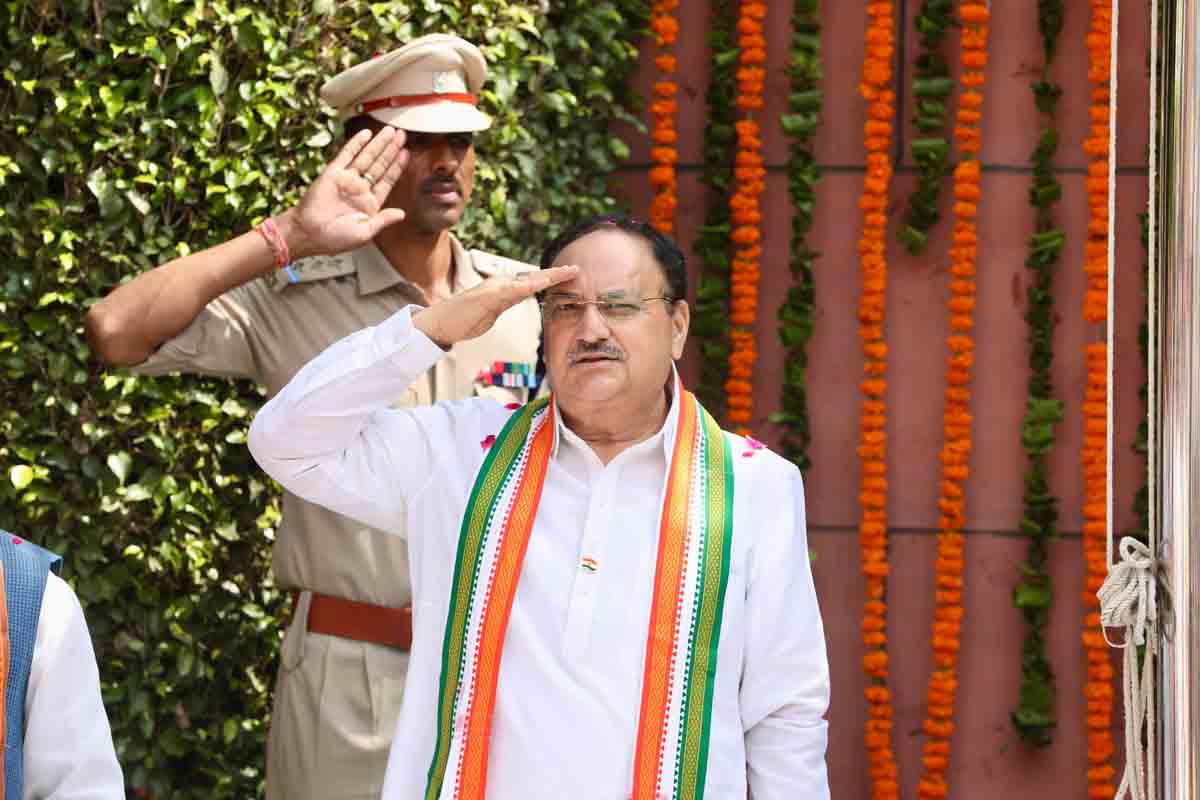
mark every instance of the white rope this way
{"type": "Point", "coordinates": [1128, 599]}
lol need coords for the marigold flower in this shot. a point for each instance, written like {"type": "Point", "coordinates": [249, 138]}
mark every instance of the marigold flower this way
{"type": "Point", "coordinates": [752, 55]}
{"type": "Point", "coordinates": [971, 100]}
{"type": "Point", "coordinates": [875, 662]}
{"type": "Point", "coordinates": [665, 30]}
{"type": "Point", "coordinates": [975, 13]}
{"type": "Point", "coordinates": [974, 59]}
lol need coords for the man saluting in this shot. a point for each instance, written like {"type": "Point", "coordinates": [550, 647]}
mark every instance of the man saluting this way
{"type": "Point", "coordinates": [612, 595]}
{"type": "Point", "coordinates": [366, 240]}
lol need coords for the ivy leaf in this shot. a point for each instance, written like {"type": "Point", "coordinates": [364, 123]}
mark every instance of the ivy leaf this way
{"type": "Point", "coordinates": [155, 12]}
{"type": "Point", "coordinates": [104, 191]}
{"type": "Point", "coordinates": [185, 661]}
{"type": "Point", "coordinates": [218, 77]}
{"type": "Point", "coordinates": [120, 464]}
{"type": "Point", "coordinates": [136, 493]}
{"type": "Point", "coordinates": [21, 476]}
{"type": "Point", "coordinates": [230, 730]}
{"type": "Point", "coordinates": [138, 201]}
{"type": "Point", "coordinates": [319, 139]}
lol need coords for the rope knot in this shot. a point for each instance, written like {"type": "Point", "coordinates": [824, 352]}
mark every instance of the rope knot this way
{"type": "Point", "coordinates": [1128, 598]}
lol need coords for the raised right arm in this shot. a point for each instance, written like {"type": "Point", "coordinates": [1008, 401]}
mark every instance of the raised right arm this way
{"type": "Point", "coordinates": [330, 436]}
{"type": "Point", "coordinates": [342, 210]}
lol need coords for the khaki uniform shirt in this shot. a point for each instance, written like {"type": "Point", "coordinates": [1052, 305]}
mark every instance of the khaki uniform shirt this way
{"type": "Point", "coordinates": [268, 329]}
{"type": "Point", "coordinates": [336, 700]}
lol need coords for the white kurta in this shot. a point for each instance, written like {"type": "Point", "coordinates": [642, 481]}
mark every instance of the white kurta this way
{"type": "Point", "coordinates": [570, 681]}
{"type": "Point", "coordinates": [68, 744]}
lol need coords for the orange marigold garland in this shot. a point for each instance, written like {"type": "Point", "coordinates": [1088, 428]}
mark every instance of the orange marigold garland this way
{"type": "Point", "coordinates": [662, 113]}
{"type": "Point", "coordinates": [750, 179]}
{"type": "Point", "coordinates": [1098, 691]}
{"type": "Point", "coordinates": [876, 89]}
{"type": "Point", "coordinates": [956, 415]}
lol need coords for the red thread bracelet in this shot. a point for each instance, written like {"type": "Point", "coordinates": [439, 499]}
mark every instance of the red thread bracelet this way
{"type": "Point", "coordinates": [279, 249]}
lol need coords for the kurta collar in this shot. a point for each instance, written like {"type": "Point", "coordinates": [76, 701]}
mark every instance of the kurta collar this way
{"type": "Point", "coordinates": [665, 434]}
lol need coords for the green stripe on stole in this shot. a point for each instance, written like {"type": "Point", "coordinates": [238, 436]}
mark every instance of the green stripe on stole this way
{"type": "Point", "coordinates": [493, 475]}
{"type": "Point", "coordinates": [717, 467]}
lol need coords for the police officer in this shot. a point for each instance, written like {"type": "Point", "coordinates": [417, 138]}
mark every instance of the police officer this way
{"type": "Point", "coordinates": [369, 236]}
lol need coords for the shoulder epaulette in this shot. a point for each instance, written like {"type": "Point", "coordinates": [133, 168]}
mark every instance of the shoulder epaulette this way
{"type": "Point", "coordinates": [487, 264]}
{"type": "Point", "coordinates": [314, 268]}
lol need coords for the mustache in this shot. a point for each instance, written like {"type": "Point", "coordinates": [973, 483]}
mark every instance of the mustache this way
{"type": "Point", "coordinates": [584, 349]}
{"type": "Point", "coordinates": [429, 185]}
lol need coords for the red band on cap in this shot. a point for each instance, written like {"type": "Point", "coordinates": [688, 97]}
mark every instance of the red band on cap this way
{"type": "Point", "coordinates": [402, 100]}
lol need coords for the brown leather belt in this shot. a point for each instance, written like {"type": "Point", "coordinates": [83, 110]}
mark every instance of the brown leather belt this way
{"type": "Point", "coordinates": [362, 622]}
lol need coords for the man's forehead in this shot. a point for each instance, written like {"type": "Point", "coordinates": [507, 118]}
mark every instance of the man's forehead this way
{"type": "Point", "coordinates": [604, 278]}
{"type": "Point", "coordinates": [573, 293]}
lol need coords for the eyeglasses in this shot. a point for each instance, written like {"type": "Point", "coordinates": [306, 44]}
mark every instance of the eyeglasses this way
{"type": "Point", "coordinates": [570, 310]}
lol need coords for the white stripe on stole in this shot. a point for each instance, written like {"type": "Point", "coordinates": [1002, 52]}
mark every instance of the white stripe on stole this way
{"type": "Point", "coordinates": [474, 629]}
{"type": "Point", "coordinates": [687, 610]}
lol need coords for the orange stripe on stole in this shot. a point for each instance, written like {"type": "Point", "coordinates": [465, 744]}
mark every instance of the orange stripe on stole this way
{"type": "Point", "coordinates": [504, 589]}
{"type": "Point", "coordinates": [664, 610]}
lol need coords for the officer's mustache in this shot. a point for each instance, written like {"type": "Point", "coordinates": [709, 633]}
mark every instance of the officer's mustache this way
{"type": "Point", "coordinates": [440, 183]}
{"type": "Point", "coordinates": [583, 350]}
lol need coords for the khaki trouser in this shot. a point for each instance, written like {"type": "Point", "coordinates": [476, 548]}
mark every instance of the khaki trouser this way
{"type": "Point", "coordinates": [335, 708]}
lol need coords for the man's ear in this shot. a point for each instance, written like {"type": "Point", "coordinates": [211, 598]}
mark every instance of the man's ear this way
{"type": "Point", "coordinates": [681, 317]}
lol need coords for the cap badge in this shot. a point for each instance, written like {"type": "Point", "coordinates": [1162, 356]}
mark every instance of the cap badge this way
{"type": "Point", "coordinates": [443, 82]}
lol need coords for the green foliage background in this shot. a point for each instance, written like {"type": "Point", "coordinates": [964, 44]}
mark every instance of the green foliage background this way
{"type": "Point", "coordinates": [132, 131]}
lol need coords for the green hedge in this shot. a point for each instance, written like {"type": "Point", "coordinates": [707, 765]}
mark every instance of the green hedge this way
{"type": "Point", "coordinates": [136, 131]}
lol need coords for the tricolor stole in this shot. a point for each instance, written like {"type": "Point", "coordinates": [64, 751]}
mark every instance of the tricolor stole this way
{"type": "Point", "coordinates": [671, 756]}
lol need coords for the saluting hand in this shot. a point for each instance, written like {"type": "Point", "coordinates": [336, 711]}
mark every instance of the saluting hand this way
{"type": "Point", "coordinates": [472, 313]}
{"type": "Point", "coordinates": [344, 207]}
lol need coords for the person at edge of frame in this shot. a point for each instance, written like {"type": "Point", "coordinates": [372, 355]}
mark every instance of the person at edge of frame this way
{"type": "Point", "coordinates": [615, 595]}
{"type": "Point", "coordinates": [359, 246]}
{"type": "Point", "coordinates": [57, 741]}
